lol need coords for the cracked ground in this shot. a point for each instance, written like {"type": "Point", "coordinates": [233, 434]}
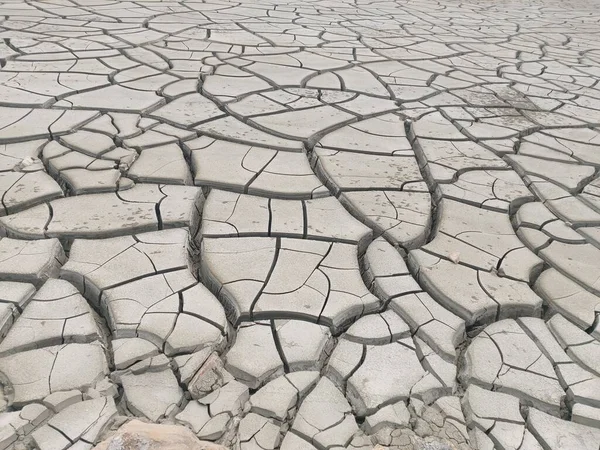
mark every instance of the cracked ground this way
{"type": "Point", "coordinates": [301, 225]}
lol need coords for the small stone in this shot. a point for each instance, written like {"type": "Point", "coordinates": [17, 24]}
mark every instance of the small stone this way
{"type": "Point", "coordinates": [136, 435]}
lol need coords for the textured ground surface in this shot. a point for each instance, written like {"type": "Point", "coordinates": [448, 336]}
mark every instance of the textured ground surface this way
{"type": "Point", "coordinates": [300, 225]}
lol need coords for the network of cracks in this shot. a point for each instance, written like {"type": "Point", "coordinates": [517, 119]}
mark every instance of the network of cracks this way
{"type": "Point", "coordinates": [315, 225]}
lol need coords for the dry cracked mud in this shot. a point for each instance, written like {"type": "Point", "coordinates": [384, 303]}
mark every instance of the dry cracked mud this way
{"type": "Point", "coordinates": [301, 225]}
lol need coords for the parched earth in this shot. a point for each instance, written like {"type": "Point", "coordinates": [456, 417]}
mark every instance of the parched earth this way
{"type": "Point", "coordinates": [301, 225]}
